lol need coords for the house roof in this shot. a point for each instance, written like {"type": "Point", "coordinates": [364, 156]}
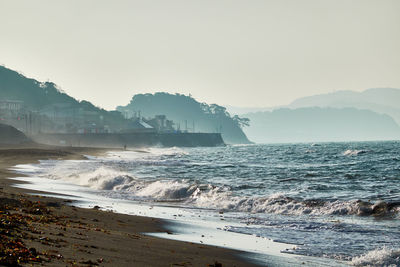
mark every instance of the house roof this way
{"type": "Point", "coordinates": [139, 124]}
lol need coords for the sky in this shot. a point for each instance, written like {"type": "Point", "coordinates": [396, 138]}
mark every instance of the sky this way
{"type": "Point", "coordinates": [247, 53]}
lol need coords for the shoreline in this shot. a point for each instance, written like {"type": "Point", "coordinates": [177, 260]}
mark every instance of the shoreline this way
{"type": "Point", "coordinates": [61, 234]}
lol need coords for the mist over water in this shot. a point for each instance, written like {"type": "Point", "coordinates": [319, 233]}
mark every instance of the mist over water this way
{"type": "Point", "coordinates": [335, 200]}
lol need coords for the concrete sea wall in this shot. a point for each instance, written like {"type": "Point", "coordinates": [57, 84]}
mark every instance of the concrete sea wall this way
{"type": "Point", "coordinates": [132, 139]}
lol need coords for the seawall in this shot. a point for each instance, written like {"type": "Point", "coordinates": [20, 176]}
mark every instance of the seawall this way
{"type": "Point", "coordinates": [114, 140]}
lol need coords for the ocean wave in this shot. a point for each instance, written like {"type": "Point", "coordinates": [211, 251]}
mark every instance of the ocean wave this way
{"type": "Point", "coordinates": [167, 190]}
{"type": "Point", "coordinates": [280, 204]}
{"type": "Point", "coordinates": [216, 197]}
{"type": "Point", "coordinates": [162, 151]}
{"type": "Point", "coordinates": [350, 152]}
{"type": "Point", "coordinates": [379, 257]}
{"type": "Point", "coordinates": [101, 178]}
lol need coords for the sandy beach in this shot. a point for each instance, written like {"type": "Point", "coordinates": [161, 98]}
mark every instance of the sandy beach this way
{"type": "Point", "coordinates": [52, 232]}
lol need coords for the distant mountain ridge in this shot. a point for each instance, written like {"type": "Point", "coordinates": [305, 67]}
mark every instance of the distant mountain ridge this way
{"type": "Point", "coordinates": [321, 124]}
{"type": "Point", "coordinates": [244, 110]}
{"type": "Point", "coordinates": [380, 100]}
{"type": "Point", "coordinates": [373, 114]}
{"type": "Point", "coordinates": [189, 113]}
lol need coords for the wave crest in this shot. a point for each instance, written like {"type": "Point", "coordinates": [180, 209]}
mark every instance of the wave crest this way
{"type": "Point", "coordinates": [378, 257]}
{"type": "Point", "coordinates": [166, 190]}
{"type": "Point", "coordinates": [350, 152]}
{"type": "Point", "coordinates": [220, 197]}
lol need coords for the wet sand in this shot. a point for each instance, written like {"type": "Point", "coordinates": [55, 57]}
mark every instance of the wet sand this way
{"type": "Point", "coordinates": [52, 232]}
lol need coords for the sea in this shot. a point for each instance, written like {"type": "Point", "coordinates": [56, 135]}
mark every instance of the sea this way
{"type": "Point", "coordinates": [316, 204]}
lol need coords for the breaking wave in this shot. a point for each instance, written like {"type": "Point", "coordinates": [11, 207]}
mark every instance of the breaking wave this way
{"type": "Point", "coordinates": [350, 152]}
{"type": "Point", "coordinates": [100, 179]}
{"type": "Point", "coordinates": [107, 179]}
{"type": "Point", "coordinates": [219, 197]}
{"type": "Point", "coordinates": [379, 257]}
{"type": "Point", "coordinates": [281, 204]}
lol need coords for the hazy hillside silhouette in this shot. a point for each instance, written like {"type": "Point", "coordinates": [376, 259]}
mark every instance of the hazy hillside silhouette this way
{"type": "Point", "coordinates": [380, 100]}
{"type": "Point", "coordinates": [187, 112]}
{"type": "Point", "coordinates": [37, 96]}
{"type": "Point", "coordinates": [317, 124]}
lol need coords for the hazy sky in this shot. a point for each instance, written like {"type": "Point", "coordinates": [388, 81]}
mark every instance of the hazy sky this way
{"type": "Point", "coordinates": [242, 53]}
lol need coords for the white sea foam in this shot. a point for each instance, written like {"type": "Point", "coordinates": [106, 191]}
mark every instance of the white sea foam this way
{"type": "Point", "coordinates": [166, 190]}
{"type": "Point", "coordinates": [350, 152]}
{"type": "Point", "coordinates": [167, 151]}
{"type": "Point", "coordinates": [101, 178]}
{"type": "Point", "coordinates": [379, 257]}
{"type": "Point", "coordinates": [277, 203]}
{"type": "Point", "coordinates": [26, 168]}
{"type": "Point", "coordinates": [207, 195]}
{"type": "Point", "coordinates": [152, 152]}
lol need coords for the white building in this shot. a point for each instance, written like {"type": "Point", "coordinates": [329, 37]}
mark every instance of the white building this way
{"type": "Point", "coordinates": [11, 105]}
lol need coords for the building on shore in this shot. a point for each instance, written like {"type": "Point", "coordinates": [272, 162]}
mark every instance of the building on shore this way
{"type": "Point", "coordinates": [138, 125]}
{"type": "Point", "coordinates": [161, 124]}
{"type": "Point", "coordinates": [63, 118]}
{"type": "Point", "coordinates": [10, 106]}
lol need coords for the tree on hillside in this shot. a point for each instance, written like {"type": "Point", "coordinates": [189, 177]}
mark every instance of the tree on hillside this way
{"type": "Point", "coordinates": [242, 122]}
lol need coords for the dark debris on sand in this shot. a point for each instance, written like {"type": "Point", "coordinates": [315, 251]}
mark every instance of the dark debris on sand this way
{"type": "Point", "coordinates": [20, 220]}
{"type": "Point", "coordinates": [13, 250]}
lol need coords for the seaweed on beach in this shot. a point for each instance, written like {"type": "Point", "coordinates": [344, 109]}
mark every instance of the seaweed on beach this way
{"type": "Point", "coordinates": [17, 217]}
{"type": "Point", "coordinates": [13, 250]}
{"type": "Point", "coordinates": [22, 219]}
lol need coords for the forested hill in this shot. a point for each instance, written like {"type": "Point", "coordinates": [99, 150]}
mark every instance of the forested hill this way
{"type": "Point", "coordinates": [188, 113]}
{"type": "Point", "coordinates": [34, 94]}
{"type": "Point", "coordinates": [37, 96]}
